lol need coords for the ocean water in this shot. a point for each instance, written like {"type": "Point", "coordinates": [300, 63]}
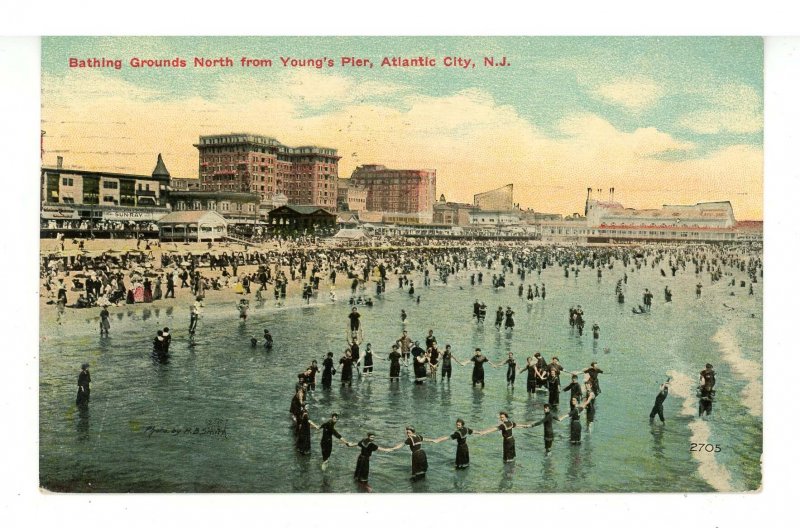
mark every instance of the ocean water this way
{"type": "Point", "coordinates": [124, 441]}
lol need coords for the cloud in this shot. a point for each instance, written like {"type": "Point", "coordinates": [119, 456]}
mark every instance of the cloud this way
{"type": "Point", "coordinates": [734, 109]}
{"type": "Point", "coordinates": [474, 142]}
{"type": "Point", "coordinates": [634, 94]}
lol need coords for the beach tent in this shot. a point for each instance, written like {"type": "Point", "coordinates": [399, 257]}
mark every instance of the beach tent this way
{"type": "Point", "coordinates": [350, 234]}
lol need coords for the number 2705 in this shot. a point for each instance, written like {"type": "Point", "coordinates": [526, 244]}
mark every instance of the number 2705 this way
{"type": "Point", "coordinates": [709, 448]}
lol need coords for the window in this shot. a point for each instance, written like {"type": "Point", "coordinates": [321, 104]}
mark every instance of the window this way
{"type": "Point", "coordinates": [110, 184]}
{"type": "Point", "coordinates": [67, 182]}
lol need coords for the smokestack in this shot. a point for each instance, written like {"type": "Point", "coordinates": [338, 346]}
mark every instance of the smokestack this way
{"type": "Point", "coordinates": [60, 162]}
{"type": "Point", "coordinates": [586, 206]}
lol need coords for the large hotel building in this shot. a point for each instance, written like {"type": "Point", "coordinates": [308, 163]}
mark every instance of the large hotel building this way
{"type": "Point", "coordinates": [403, 196]}
{"type": "Point", "coordinates": [262, 165]}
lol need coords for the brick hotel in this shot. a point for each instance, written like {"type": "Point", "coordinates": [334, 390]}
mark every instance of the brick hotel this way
{"type": "Point", "coordinates": [262, 165]}
{"type": "Point", "coordinates": [404, 196]}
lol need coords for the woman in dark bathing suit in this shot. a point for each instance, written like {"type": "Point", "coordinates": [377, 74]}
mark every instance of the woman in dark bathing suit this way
{"type": "Point", "coordinates": [367, 446]}
{"type": "Point", "coordinates": [506, 427]}
{"type": "Point", "coordinates": [419, 460]}
{"type": "Point", "coordinates": [462, 449]}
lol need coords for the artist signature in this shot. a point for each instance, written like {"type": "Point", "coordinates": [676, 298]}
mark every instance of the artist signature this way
{"type": "Point", "coordinates": [212, 428]}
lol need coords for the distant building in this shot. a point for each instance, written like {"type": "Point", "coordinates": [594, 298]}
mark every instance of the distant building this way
{"type": "Point", "coordinates": [235, 207]}
{"type": "Point", "coordinates": [350, 197]}
{"type": "Point", "coordinates": [301, 218]}
{"type": "Point", "coordinates": [262, 165]}
{"type": "Point", "coordinates": [98, 203]}
{"type": "Point", "coordinates": [493, 218]}
{"type": "Point", "coordinates": [500, 199]}
{"type": "Point", "coordinates": [609, 221]}
{"type": "Point", "coordinates": [452, 213]}
{"type": "Point", "coordinates": [192, 226]}
{"type": "Point", "coordinates": [184, 184]}
{"type": "Point", "coordinates": [405, 196]}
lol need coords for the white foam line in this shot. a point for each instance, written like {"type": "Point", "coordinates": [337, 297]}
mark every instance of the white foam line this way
{"type": "Point", "coordinates": [709, 469]}
{"type": "Point", "coordinates": [747, 369]}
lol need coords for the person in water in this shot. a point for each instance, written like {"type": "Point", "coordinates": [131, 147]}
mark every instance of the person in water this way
{"type": "Point", "coordinates": [419, 460]}
{"type": "Point", "coordinates": [511, 373]}
{"type": "Point", "coordinates": [355, 322]}
{"type": "Point", "coordinates": [327, 370]}
{"type": "Point", "coordinates": [658, 406]}
{"type": "Point", "coordinates": [547, 422]}
{"type": "Point", "coordinates": [462, 449]}
{"type": "Point", "coordinates": [593, 371]}
{"type": "Point", "coordinates": [84, 379]}
{"type": "Point", "coordinates": [506, 426]}
{"type": "Point", "coordinates": [574, 421]}
{"type": "Point", "coordinates": [267, 340]}
{"type": "Point", "coordinates": [304, 425]}
{"type": "Point", "coordinates": [346, 363]}
{"type": "Point", "coordinates": [367, 446]}
{"type": "Point", "coordinates": [478, 359]}
{"type": "Point", "coordinates": [530, 368]}
{"type": "Point", "coordinates": [708, 379]}
{"type": "Point", "coordinates": [105, 323]}
{"type": "Point", "coordinates": [394, 363]}
{"type": "Point", "coordinates": [574, 388]}
{"type": "Point", "coordinates": [326, 442]}
{"type": "Point", "coordinates": [368, 360]}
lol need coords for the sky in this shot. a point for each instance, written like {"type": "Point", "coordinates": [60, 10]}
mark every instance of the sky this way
{"type": "Point", "coordinates": [662, 120]}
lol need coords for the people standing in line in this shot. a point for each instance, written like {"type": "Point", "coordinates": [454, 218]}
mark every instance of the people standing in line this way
{"type": "Point", "coordinates": [84, 379]}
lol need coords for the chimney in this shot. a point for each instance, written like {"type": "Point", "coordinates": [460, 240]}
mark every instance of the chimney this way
{"type": "Point", "coordinates": [60, 162]}
{"type": "Point", "coordinates": [588, 195]}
